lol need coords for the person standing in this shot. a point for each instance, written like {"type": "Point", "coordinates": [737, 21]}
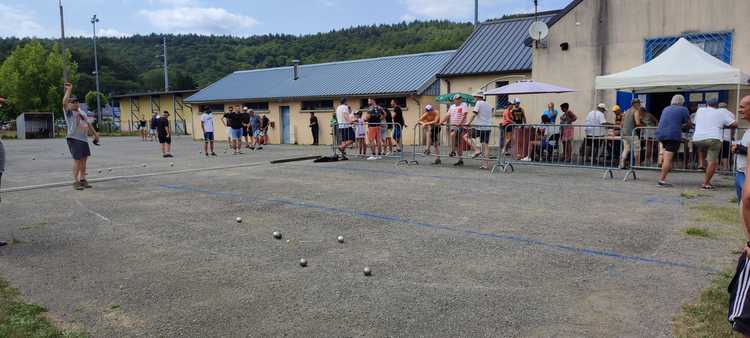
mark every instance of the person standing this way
{"type": "Point", "coordinates": [398, 124]}
{"type": "Point", "coordinates": [387, 132]}
{"type": "Point", "coordinates": [709, 125]}
{"type": "Point", "coordinates": [669, 133]}
{"type": "Point", "coordinates": [314, 128]}
{"type": "Point", "coordinates": [374, 119]}
{"type": "Point", "coordinates": [235, 131]}
{"type": "Point", "coordinates": [225, 120]}
{"type": "Point", "coordinates": [740, 149]}
{"type": "Point", "coordinates": [152, 130]}
{"type": "Point", "coordinates": [207, 125]}
{"type": "Point", "coordinates": [344, 127]}
{"type": "Point", "coordinates": [164, 134]}
{"type": "Point", "coordinates": [567, 119]}
{"type": "Point", "coordinates": [507, 129]}
{"type": "Point", "coordinates": [457, 121]}
{"type": "Point", "coordinates": [595, 130]}
{"type": "Point", "coordinates": [264, 122]}
{"type": "Point", "coordinates": [143, 129]}
{"type": "Point", "coordinates": [631, 143]}
{"type": "Point", "coordinates": [430, 122]}
{"type": "Point", "coordinates": [739, 312]}
{"type": "Point", "coordinates": [257, 133]}
{"type": "Point", "coordinates": [247, 132]}
{"type": "Point", "coordinates": [551, 113]}
{"type": "Point", "coordinates": [77, 137]}
{"type": "Point", "coordinates": [483, 117]}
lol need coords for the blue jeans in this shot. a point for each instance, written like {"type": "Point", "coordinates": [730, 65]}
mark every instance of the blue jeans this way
{"type": "Point", "coordinates": [739, 181]}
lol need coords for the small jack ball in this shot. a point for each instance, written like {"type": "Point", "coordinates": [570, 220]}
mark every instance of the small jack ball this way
{"type": "Point", "coordinates": [340, 239]}
{"type": "Point", "coordinates": [33, 158]}
{"type": "Point", "coordinates": [171, 164]}
{"type": "Point", "coordinates": [276, 235]}
{"type": "Point", "coordinates": [367, 271]}
{"type": "Point", "coordinates": [144, 165]}
{"type": "Point", "coordinates": [109, 169]}
{"type": "Point", "coordinates": [302, 262]}
{"type": "Point", "coordinates": [99, 171]}
{"type": "Point", "coordinates": [238, 219]}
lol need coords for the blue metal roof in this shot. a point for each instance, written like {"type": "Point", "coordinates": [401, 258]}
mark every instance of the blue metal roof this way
{"type": "Point", "coordinates": [403, 74]}
{"type": "Point", "coordinates": [495, 47]}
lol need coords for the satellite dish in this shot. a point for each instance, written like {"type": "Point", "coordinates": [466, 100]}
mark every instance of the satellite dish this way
{"type": "Point", "coordinates": [538, 30]}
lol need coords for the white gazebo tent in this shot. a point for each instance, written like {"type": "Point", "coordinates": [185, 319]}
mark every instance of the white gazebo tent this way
{"type": "Point", "coordinates": [682, 67]}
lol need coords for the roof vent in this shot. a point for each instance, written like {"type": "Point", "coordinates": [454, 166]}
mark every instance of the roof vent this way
{"type": "Point", "coordinates": [296, 69]}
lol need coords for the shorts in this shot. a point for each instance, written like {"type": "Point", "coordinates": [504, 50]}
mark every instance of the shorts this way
{"type": "Point", "coordinates": [235, 134]}
{"type": "Point", "coordinates": [246, 131]}
{"type": "Point", "coordinates": [739, 310]}
{"type": "Point", "coordinates": [483, 135]}
{"type": "Point", "coordinates": [457, 133]}
{"type": "Point", "coordinates": [634, 143]}
{"type": "Point", "coordinates": [397, 133]}
{"type": "Point", "coordinates": [164, 139]}
{"type": "Point", "coordinates": [152, 131]}
{"type": "Point", "coordinates": [257, 133]}
{"type": "Point", "coordinates": [78, 149]}
{"type": "Point", "coordinates": [726, 149]}
{"type": "Point", "coordinates": [383, 132]}
{"type": "Point", "coordinates": [346, 134]}
{"type": "Point", "coordinates": [208, 136]}
{"type": "Point", "coordinates": [373, 133]}
{"type": "Point", "coordinates": [435, 135]}
{"type": "Point", "coordinates": [671, 146]}
{"type": "Point", "coordinates": [712, 147]}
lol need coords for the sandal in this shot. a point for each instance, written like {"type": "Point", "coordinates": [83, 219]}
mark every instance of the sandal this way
{"type": "Point", "coordinates": [708, 187]}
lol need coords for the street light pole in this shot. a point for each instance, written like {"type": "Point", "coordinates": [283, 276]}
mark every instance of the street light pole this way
{"type": "Point", "coordinates": [166, 69]}
{"type": "Point", "coordinates": [94, 20]}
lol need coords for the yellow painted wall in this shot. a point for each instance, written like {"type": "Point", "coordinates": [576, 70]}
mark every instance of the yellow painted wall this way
{"type": "Point", "coordinates": [143, 105]}
{"type": "Point", "coordinates": [475, 83]}
{"type": "Point", "coordinates": [627, 25]}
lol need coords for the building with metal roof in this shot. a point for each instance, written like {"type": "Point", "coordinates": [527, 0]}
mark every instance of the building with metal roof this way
{"type": "Point", "coordinates": [492, 56]}
{"type": "Point", "coordinates": [289, 94]}
{"type": "Point", "coordinates": [136, 107]}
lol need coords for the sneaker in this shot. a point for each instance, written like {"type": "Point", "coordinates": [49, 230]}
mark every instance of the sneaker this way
{"type": "Point", "coordinates": [526, 159]}
{"type": "Point", "coordinates": [379, 158]}
{"type": "Point", "coordinates": [372, 158]}
{"type": "Point", "coordinates": [168, 155]}
{"type": "Point", "coordinates": [3, 243]}
{"type": "Point", "coordinates": [663, 184]}
{"type": "Point", "coordinates": [260, 148]}
{"type": "Point", "coordinates": [164, 156]}
{"type": "Point", "coordinates": [343, 158]}
{"type": "Point", "coordinates": [452, 154]}
{"type": "Point", "coordinates": [708, 187]}
{"type": "Point", "coordinates": [459, 163]}
{"type": "Point", "coordinates": [85, 184]}
{"type": "Point", "coordinates": [77, 186]}
{"type": "Point", "coordinates": [427, 152]}
{"type": "Point", "coordinates": [437, 162]}
{"type": "Point", "coordinates": [214, 154]}
{"type": "Point", "coordinates": [476, 155]}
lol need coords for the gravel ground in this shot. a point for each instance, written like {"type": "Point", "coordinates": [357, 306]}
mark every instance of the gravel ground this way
{"type": "Point", "coordinates": [454, 252]}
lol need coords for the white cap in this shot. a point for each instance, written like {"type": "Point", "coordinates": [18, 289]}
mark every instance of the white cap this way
{"type": "Point", "coordinates": [428, 107]}
{"type": "Point", "coordinates": [517, 100]}
{"type": "Point", "coordinates": [602, 106]}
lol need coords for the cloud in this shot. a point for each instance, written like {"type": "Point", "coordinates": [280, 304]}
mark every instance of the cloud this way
{"type": "Point", "coordinates": [462, 10]}
{"type": "Point", "coordinates": [15, 21]}
{"type": "Point", "coordinates": [112, 33]}
{"type": "Point", "coordinates": [200, 20]}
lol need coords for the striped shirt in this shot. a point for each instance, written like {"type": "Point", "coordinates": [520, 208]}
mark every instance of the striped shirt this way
{"type": "Point", "coordinates": [458, 113]}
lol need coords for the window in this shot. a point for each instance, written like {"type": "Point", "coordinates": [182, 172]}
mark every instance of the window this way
{"type": "Point", "coordinates": [717, 44]}
{"type": "Point", "coordinates": [256, 106]}
{"type": "Point", "coordinates": [216, 108]}
{"type": "Point", "coordinates": [502, 100]}
{"type": "Point", "coordinates": [317, 105]}
{"type": "Point", "coordinates": [384, 102]}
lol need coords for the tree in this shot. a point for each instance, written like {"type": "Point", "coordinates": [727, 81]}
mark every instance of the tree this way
{"type": "Point", "coordinates": [31, 79]}
{"type": "Point", "coordinates": [91, 100]}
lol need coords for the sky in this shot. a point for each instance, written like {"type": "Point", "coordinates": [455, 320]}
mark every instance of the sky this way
{"type": "Point", "coordinates": [40, 18]}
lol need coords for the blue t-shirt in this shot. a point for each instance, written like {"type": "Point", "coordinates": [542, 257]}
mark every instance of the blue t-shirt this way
{"type": "Point", "coordinates": [254, 122]}
{"type": "Point", "coordinates": [670, 123]}
{"type": "Point", "coordinates": [552, 114]}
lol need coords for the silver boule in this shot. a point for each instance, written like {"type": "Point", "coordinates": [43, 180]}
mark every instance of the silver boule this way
{"type": "Point", "coordinates": [302, 262]}
{"type": "Point", "coordinates": [238, 219]}
{"type": "Point", "coordinates": [367, 271]}
{"type": "Point", "coordinates": [340, 239]}
{"type": "Point", "coordinates": [276, 235]}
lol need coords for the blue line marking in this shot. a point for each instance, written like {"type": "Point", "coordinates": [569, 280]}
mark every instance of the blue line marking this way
{"type": "Point", "coordinates": [396, 219]}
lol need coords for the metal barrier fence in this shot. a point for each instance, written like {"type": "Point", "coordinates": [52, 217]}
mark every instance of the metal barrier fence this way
{"type": "Point", "coordinates": [362, 138]}
{"type": "Point", "coordinates": [473, 142]}
{"type": "Point", "coordinates": [578, 146]}
{"type": "Point", "coordinates": [647, 153]}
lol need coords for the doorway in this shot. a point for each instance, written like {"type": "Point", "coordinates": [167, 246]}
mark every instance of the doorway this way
{"type": "Point", "coordinates": [285, 137]}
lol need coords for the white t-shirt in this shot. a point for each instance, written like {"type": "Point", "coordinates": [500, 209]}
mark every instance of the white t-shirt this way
{"type": "Point", "coordinates": [709, 123]}
{"type": "Point", "coordinates": [741, 160]}
{"type": "Point", "coordinates": [484, 115]}
{"type": "Point", "coordinates": [457, 113]}
{"type": "Point", "coordinates": [594, 119]}
{"type": "Point", "coordinates": [343, 117]}
{"type": "Point", "coordinates": [727, 132]}
{"type": "Point", "coordinates": [208, 122]}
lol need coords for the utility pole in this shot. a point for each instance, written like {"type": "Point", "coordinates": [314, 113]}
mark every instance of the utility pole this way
{"type": "Point", "coordinates": [62, 42]}
{"type": "Point", "coordinates": [476, 13]}
{"type": "Point", "coordinates": [94, 20]}
{"type": "Point", "coordinates": [166, 68]}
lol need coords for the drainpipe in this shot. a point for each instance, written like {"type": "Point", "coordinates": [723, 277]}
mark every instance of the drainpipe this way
{"type": "Point", "coordinates": [600, 36]}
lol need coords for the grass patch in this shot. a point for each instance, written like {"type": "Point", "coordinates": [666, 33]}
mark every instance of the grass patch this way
{"type": "Point", "coordinates": [19, 319]}
{"type": "Point", "coordinates": [717, 214]}
{"type": "Point", "coordinates": [708, 317]}
{"type": "Point", "coordinates": [688, 194]}
{"type": "Point", "coordinates": [698, 232]}
{"type": "Point", "coordinates": [114, 307]}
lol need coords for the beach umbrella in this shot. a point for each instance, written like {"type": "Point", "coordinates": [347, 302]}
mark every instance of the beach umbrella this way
{"type": "Point", "coordinates": [528, 87]}
{"type": "Point", "coordinates": [448, 98]}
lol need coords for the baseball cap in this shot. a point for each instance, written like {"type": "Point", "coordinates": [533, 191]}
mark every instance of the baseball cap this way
{"type": "Point", "coordinates": [517, 100]}
{"type": "Point", "coordinates": [602, 106]}
{"type": "Point", "coordinates": [456, 96]}
{"type": "Point", "coordinates": [428, 107]}
{"type": "Point", "coordinates": [479, 94]}
{"type": "Point", "coordinates": [616, 108]}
